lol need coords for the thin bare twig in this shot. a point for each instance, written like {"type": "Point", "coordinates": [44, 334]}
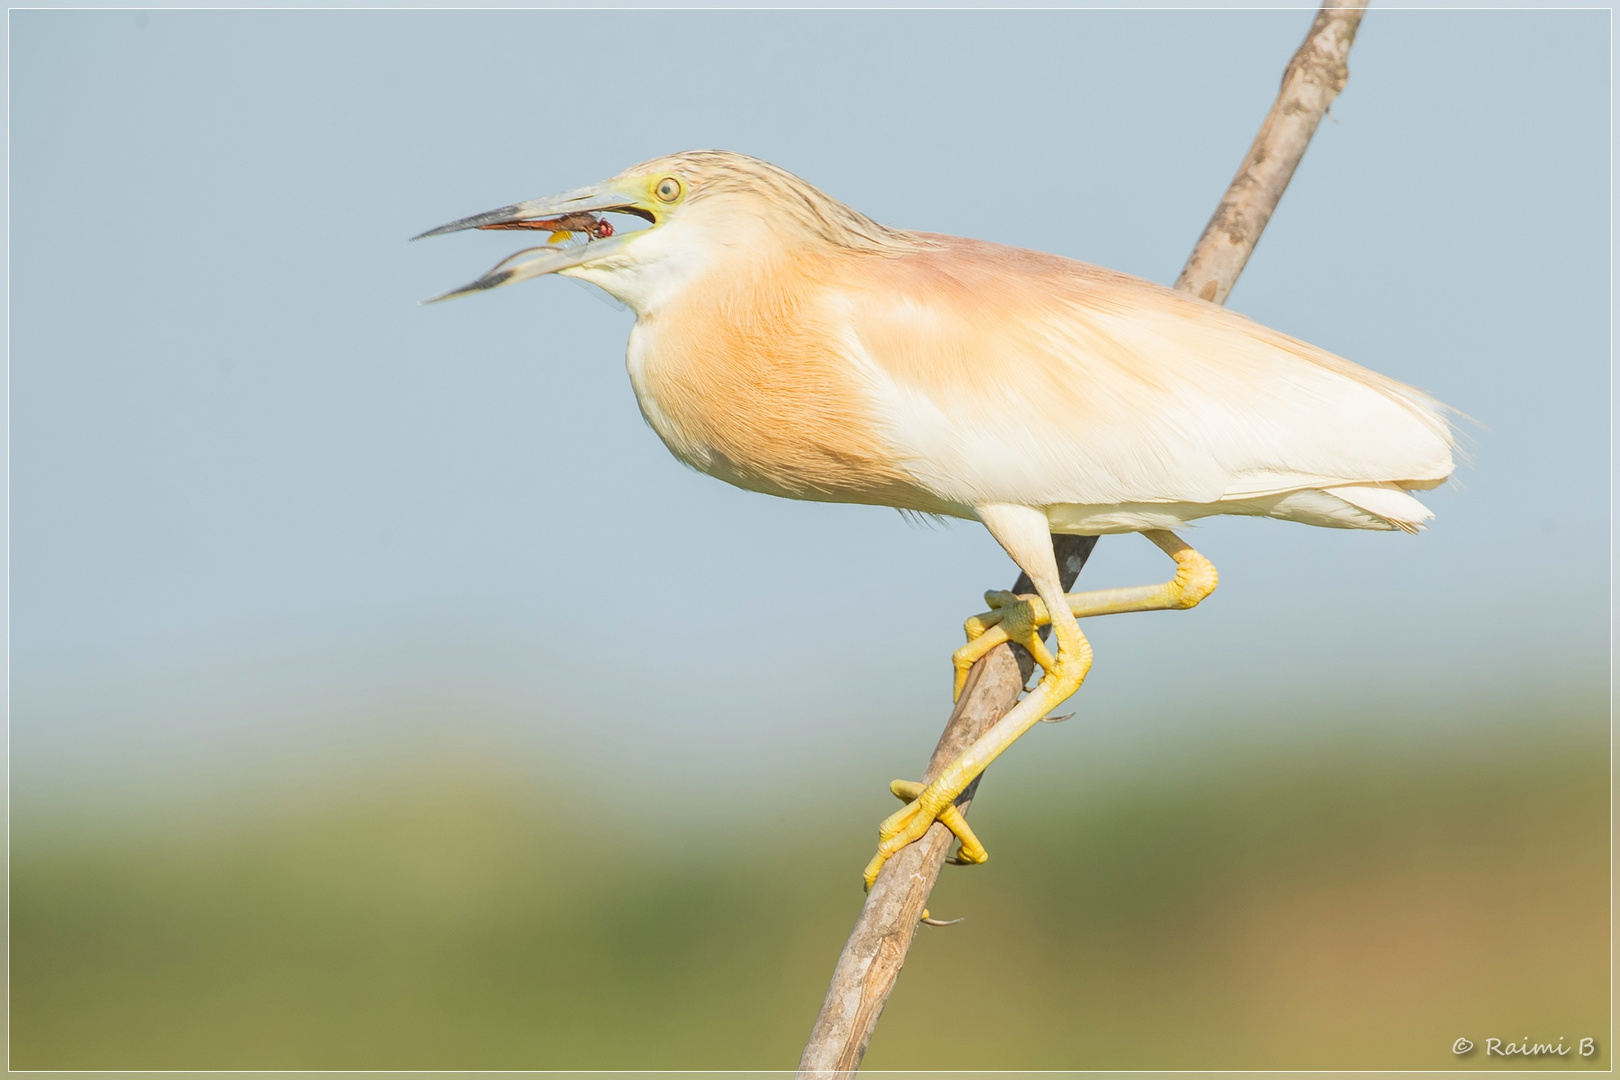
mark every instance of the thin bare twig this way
{"type": "Point", "coordinates": [877, 947]}
{"type": "Point", "coordinates": [1314, 78]}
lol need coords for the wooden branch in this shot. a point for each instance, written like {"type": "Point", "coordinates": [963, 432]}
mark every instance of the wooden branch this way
{"type": "Point", "coordinates": [1314, 78]}
{"type": "Point", "coordinates": [877, 947]}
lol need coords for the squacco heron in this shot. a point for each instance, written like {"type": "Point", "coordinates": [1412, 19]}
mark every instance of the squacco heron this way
{"type": "Point", "coordinates": [787, 344]}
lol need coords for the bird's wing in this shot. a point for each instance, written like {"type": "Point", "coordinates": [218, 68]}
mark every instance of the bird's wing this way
{"type": "Point", "coordinates": [1003, 375]}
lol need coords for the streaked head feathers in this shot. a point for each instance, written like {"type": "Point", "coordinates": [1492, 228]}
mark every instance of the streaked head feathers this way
{"type": "Point", "coordinates": [710, 173]}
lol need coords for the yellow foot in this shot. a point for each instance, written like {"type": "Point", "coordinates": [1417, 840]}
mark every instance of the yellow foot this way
{"type": "Point", "coordinates": [1019, 618]}
{"type": "Point", "coordinates": [924, 806]}
{"type": "Point", "coordinates": [1010, 618]}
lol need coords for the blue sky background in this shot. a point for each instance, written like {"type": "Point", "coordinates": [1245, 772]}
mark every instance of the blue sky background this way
{"type": "Point", "coordinates": [268, 513]}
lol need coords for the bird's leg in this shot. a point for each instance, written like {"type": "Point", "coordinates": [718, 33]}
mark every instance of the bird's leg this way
{"type": "Point", "coordinates": [1023, 531]}
{"type": "Point", "coordinates": [1017, 618]}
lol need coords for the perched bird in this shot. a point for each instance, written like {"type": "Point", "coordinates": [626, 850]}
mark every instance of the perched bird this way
{"type": "Point", "coordinates": [787, 344]}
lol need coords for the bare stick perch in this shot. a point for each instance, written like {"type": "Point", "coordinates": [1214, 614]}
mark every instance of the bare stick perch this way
{"type": "Point", "coordinates": [1314, 78]}
{"type": "Point", "coordinates": [877, 947]}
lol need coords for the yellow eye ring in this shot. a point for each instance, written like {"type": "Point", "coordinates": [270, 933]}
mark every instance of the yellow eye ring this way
{"type": "Point", "coordinates": [668, 189]}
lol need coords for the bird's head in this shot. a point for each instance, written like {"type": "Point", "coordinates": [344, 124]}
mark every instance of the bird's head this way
{"type": "Point", "coordinates": [702, 208]}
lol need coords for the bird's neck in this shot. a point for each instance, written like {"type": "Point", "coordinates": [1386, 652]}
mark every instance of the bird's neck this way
{"type": "Point", "coordinates": [686, 263]}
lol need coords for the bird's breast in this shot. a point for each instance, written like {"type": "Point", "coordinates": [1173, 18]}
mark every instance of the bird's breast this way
{"type": "Point", "coordinates": [757, 393]}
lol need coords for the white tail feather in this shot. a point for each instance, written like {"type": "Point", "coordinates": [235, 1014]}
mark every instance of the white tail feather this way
{"type": "Point", "coordinates": [1386, 501]}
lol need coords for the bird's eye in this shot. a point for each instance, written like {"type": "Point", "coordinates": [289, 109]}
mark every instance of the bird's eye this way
{"type": "Point", "coordinates": [668, 189]}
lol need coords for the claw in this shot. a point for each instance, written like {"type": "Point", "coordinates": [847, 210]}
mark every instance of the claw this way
{"type": "Point", "coordinates": [926, 921]}
{"type": "Point", "coordinates": [957, 860]}
{"type": "Point", "coordinates": [1056, 719]}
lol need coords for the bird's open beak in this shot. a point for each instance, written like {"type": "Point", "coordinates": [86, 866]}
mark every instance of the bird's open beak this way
{"type": "Point", "coordinates": [572, 212]}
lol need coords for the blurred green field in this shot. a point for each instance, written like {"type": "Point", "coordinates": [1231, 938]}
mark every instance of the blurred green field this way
{"type": "Point", "coordinates": [1342, 905]}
